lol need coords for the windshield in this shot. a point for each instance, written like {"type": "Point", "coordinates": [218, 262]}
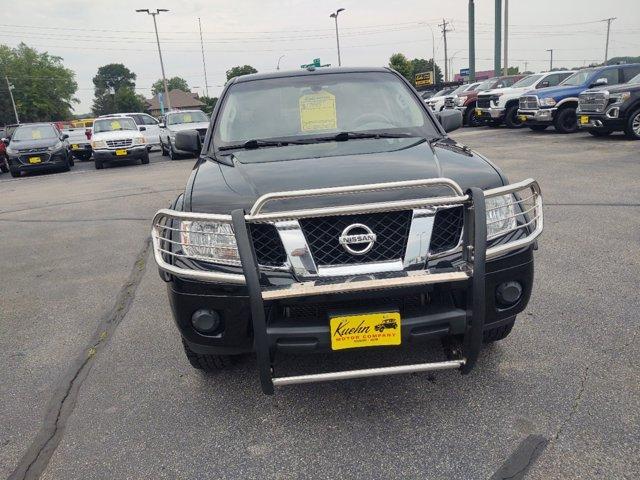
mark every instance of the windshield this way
{"type": "Point", "coordinates": [578, 78]}
{"type": "Point", "coordinates": [527, 81]}
{"type": "Point", "coordinates": [308, 107]}
{"type": "Point", "coordinates": [460, 89]}
{"type": "Point", "coordinates": [486, 85]}
{"type": "Point", "coordinates": [443, 92]}
{"type": "Point", "coordinates": [186, 117]}
{"type": "Point", "coordinates": [36, 132]}
{"type": "Point", "coordinates": [114, 124]}
{"type": "Point", "coordinates": [635, 79]}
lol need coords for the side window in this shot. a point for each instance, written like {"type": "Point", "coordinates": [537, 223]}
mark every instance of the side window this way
{"type": "Point", "coordinates": [149, 120]}
{"type": "Point", "coordinates": [554, 79]}
{"type": "Point", "coordinates": [612, 76]}
{"type": "Point", "coordinates": [507, 82]}
{"type": "Point", "coordinates": [630, 72]}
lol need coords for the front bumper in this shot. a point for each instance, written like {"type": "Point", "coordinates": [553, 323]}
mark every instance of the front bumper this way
{"type": "Point", "coordinates": [111, 155]}
{"type": "Point", "coordinates": [25, 162]}
{"type": "Point", "coordinates": [599, 122]}
{"type": "Point", "coordinates": [541, 116]}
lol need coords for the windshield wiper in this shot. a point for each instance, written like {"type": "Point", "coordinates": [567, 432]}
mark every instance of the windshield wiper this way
{"type": "Point", "coordinates": [253, 144]}
{"type": "Point", "coordinates": [344, 136]}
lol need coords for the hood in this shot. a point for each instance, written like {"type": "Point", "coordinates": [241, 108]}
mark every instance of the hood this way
{"type": "Point", "coordinates": [117, 135]}
{"type": "Point", "coordinates": [506, 91]}
{"type": "Point", "coordinates": [180, 127]}
{"type": "Point", "coordinates": [33, 144]}
{"type": "Point", "coordinates": [558, 91]}
{"type": "Point", "coordinates": [220, 188]}
{"type": "Point", "coordinates": [623, 87]}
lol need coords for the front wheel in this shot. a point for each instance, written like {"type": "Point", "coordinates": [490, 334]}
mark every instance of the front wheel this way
{"type": "Point", "coordinates": [470, 117]}
{"type": "Point", "coordinates": [15, 173]}
{"type": "Point", "coordinates": [4, 165]}
{"type": "Point", "coordinates": [511, 119]}
{"type": "Point", "coordinates": [145, 158]}
{"type": "Point", "coordinates": [632, 129]}
{"type": "Point", "coordinates": [205, 362]}
{"type": "Point", "coordinates": [70, 160]}
{"type": "Point", "coordinates": [163, 150]}
{"type": "Point", "coordinates": [98, 164]}
{"type": "Point", "coordinates": [172, 153]}
{"type": "Point", "coordinates": [66, 166]}
{"type": "Point", "coordinates": [566, 120]}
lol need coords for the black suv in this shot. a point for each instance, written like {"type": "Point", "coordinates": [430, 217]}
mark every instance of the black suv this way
{"type": "Point", "coordinates": [326, 201]}
{"type": "Point", "coordinates": [38, 146]}
{"type": "Point", "coordinates": [611, 109]}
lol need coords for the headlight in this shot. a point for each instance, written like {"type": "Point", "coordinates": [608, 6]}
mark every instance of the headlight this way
{"type": "Point", "coordinates": [620, 97]}
{"type": "Point", "coordinates": [460, 101]}
{"type": "Point", "coordinates": [98, 144]}
{"type": "Point", "coordinates": [208, 241]}
{"type": "Point", "coordinates": [55, 147]}
{"type": "Point", "coordinates": [501, 215]}
{"type": "Point", "coordinates": [139, 141]}
{"type": "Point", "coordinates": [10, 151]}
{"type": "Point", "coordinates": [546, 102]}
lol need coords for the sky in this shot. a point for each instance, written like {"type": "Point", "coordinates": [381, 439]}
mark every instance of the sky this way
{"type": "Point", "coordinates": [88, 34]}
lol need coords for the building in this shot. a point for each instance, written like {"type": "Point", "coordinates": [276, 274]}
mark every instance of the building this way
{"type": "Point", "coordinates": [179, 101]}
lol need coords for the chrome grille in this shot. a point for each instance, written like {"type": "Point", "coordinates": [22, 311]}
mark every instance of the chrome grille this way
{"type": "Point", "coordinates": [391, 229]}
{"type": "Point", "coordinates": [529, 102]}
{"type": "Point", "coordinates": [119, 143]}
{"type": "Point", "coordinates": [593, 102]}
{"type": "Point", "coordinates": [484, 101]}
{"type": "Point", "coordinates": [450, 102]}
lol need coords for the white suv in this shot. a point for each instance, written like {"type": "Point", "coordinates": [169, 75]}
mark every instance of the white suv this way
{"type": "Point", "coordinates": [117, 139]}
{"type": "Point", "coordinates": [177, 121]}
{"type": "Point", "coordinates": [501, 104]}
{"type": "Point", "coordinates": [143, 120]}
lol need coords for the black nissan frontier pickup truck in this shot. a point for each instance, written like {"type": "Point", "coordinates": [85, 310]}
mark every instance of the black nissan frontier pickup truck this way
{"type": "Point", "coordinates": [328, 210]}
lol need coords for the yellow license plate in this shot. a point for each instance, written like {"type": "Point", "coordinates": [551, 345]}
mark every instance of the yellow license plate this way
{"type": "Point", "coordinates": [584, 119]}
{"type": "Point", "coordinates": [35, 160]}
{"type": "Point", "coordinates": [365, 330]}
{"type": "Point", "coordinates": [478, 112]}
{"type": "Point", "coordinates": [121, 152]}
{"type": "Point", "coordinates": [523, 118]}
{"type": "Point", "coordinates": [75, 147]}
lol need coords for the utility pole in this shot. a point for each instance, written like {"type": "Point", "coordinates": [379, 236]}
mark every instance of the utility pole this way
{"type": "Point", "coordinates": [335, 17]}
{"type": "Point", "coordinates": [472, 42]}
{"type": "Point", "coordinates": [155, 26]}
{"type": "Point", "coordinates": [506, 37]}
{"type": "Point", "coordinates": [606, 48]}
{"type": "Point", "coordinates": [444, 26]}
{"type": "Point", "coordinates": [15, 110]}
{"type": "Point", "coordinates": [498, 38]}
{"type": "Point", "coordinates": [204, 65]}
{"type": "Point", "coordinates": [550, 59]}
{"type": "Point", "coordinates": [433, 56]}
{"type": "Point", "coordinates": [525, 65]}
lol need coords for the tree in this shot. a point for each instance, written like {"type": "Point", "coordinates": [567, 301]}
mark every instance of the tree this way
{"type": "Point", "coordinates": [115, 90]}
{"type": "Point", "coordinates": [238, 71]}
{"type": "Point", "coordinates": [174, 83]}
{"type": "Point", "coordinates": [513, 71]}
{"type": "Point", "coordinates": [402, 65]}
{"type": "Point", "coordinates": [43, 88]}
{"type": "Point", "coordinates": [209, 103]}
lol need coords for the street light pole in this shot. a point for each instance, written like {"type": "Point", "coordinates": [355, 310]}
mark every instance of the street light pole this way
{"type": "Point", "coordinates": [15, 110]}
{"type": "Point", "coordinates": [155, 26]}
{"type": "Point", "coordinates": [433, 56]}
{"type": "Point", "coordinates": [204, 65]}
{"type": "Point", "coordinates": [278, 66]}
{"type": "Point", "coordinates": [335, 17]}
{"type": "Point", "coordinates": [550, 59]}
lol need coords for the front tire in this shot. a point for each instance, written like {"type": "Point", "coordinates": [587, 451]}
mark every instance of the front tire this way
{"type": "Point", "coordinates": [172, 153]}
{"type": "Point", "coordinates": [205, 362]}
{"type": "Point", "coordinates": [511, 119]}
{"type": "Point", "coordinates": [98, 164]}
{"type": "Point", "coordinates": [145, 158]}
{"type": "Point", "coordinates": [67, 165]}
{"type": "Point", "coordinates": [15, 173]}
{"type": "Point", "coordinates": [566, 120]}
{"type": "Point", "coordinates": [70, 160]}
{"type": "Point", "coordinates": [632, 129]}
{"type": "Point", "coordinates": [163, 150]}
{"type": "Point", "coordinates": [470, 117]}
{"type": "Point", "coordinates": [4, 165]}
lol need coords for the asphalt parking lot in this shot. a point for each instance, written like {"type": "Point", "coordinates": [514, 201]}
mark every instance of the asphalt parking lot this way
{"type": "Point", "coordinates": [95, 384]}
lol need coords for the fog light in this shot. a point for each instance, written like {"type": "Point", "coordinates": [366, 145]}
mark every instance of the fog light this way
{"type": "Point", "coordinates": [508, 293]}
{"type": "Point", "coordinates": [206, 321]}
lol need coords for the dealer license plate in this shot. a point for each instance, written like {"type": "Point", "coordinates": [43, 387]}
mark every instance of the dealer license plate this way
{"type": "Point", "coordinates": [121, 153]}
{"type": "Point", "coordinates": [584, 119]}
{"type": "Point", "coordinates": [522, 118]}
{"type": "Point", "coordinates": [35, 160]}
{"type": "Point", "coordinates": [478, 112]}
{"type": "Point", "coordinates": [365, 330]}
{"type": "Point", "coordinates": [75, 147]}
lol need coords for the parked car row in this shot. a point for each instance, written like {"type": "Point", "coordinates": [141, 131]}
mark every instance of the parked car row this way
{"type": "Point", "coordinates": [599, 100]}
{"type": "Point", "coordinates": [106, 139]}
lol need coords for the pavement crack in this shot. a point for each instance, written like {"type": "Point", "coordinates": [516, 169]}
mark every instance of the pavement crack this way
{"type": "Point", "coordinates": [62, 403]}
{"type": "Point", "coordinates": [576, 404]}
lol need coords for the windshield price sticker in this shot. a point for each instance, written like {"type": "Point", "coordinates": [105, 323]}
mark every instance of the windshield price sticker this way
{"type": "Point", "coordinates": [115, 125]}
{"type": "Point", "coordinates": [186, 118]}
{"type": "Point", "coordinates": [318, 112]}
{"type": "Point", "coordinates": [36, 134]}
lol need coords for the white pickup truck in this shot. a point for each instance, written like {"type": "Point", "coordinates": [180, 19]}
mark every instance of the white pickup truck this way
{"type": "Point", "coordinates": [501, 104]}
{"type": "Point", "coordinates": [79, 140]}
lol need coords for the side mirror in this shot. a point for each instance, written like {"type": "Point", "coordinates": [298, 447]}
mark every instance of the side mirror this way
{"type": "Point", "coordinates": [599, 82]}
{"type": "Point", "coordinates": [543, 84]}
{"type": "Point", "coordinates": [189, 141]}
{"type": "Point", "coordinates": [64, 136]}
{"type": "Point", "coordinates": [450, 119]}
{"type": "Point", "coordinates": [5, 141]}
{"type": "Point", "coordinates": [142, 129]}
{"type": "Point", "coordinates": [161, 125]}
